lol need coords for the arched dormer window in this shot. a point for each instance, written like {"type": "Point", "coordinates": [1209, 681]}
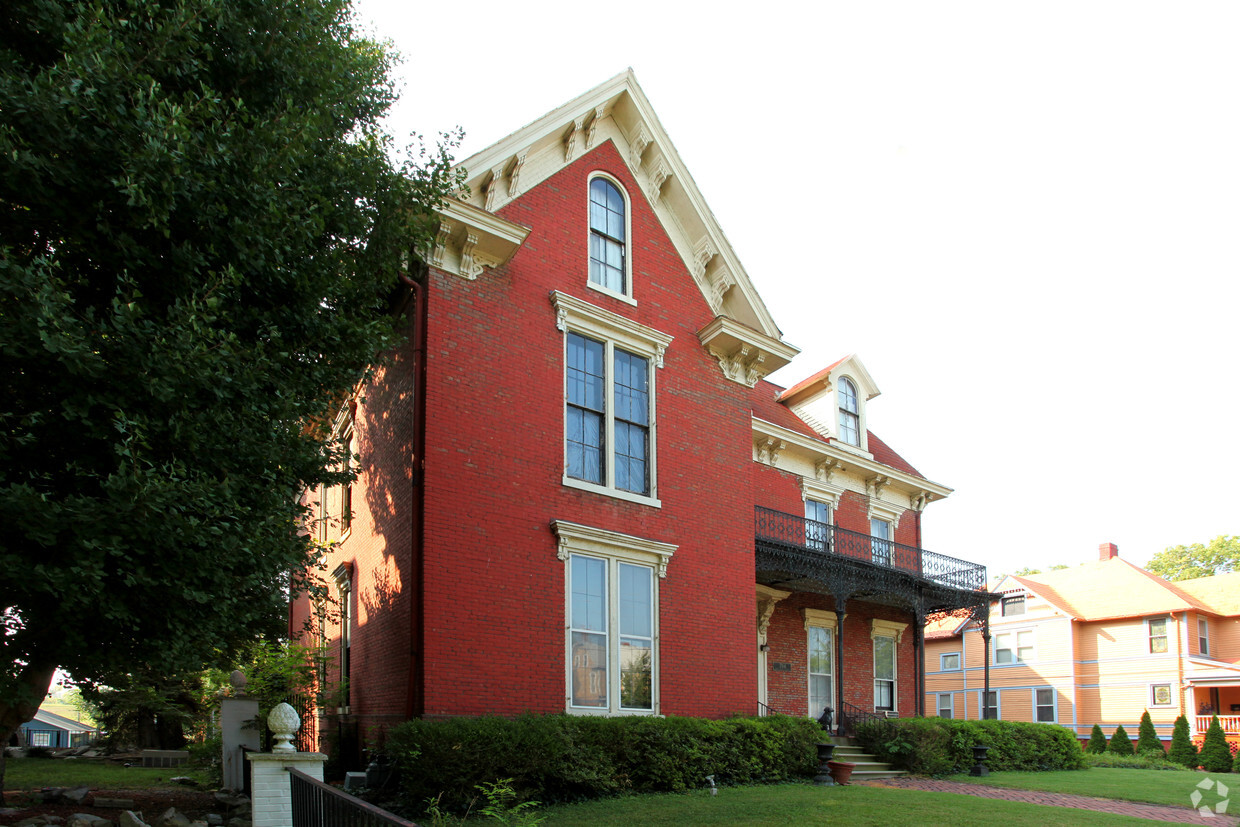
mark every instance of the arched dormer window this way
{"type": "Point", "coordinates": [850, 413]}
{"type": "Point", "coordinates": [608, 237]}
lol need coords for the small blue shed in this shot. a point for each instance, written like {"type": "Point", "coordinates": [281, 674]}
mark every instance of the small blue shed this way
{"type": "Point", "coordinates": [47, 729]}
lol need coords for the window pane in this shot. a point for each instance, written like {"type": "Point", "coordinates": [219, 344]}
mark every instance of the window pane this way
{"type": "Point", "coordinates": [589, 654]}
{"type": "Point", "coordinates": [589, 576]}
{"type": "Point", "coordinates": [1158, 627]}
{"type": "Point", "coordinates": [848, 396]}
{"type": "Point", "coordinates": [1162, 694]}
{"type": "Point", "coordinates": [819, 650]}
{"type": "Point", "coordinates": [1158, 645]}
{"type": "Point", "coordinates": [885, 658]}
{"type": "Point", "coordinates": [1003, 656]}
{"type": "Point", "coordinates": [636, 674]}
{"type": "Point", "coordinates": [636, 605]}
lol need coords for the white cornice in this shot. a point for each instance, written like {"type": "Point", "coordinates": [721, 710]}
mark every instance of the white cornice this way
{"type": "Point", "coordinates": [840, 460]}
{"type": "Point", "coordinates": [744, 354]}
{"type": "Point", "coordinates": [470, 239]}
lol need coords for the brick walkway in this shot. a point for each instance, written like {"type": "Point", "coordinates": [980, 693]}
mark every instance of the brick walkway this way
{"type": "Point", "coordinates": [1159, 812]}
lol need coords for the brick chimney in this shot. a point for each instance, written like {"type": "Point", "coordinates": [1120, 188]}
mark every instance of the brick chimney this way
{"type": "Point", "coordinates": [1108, 551]}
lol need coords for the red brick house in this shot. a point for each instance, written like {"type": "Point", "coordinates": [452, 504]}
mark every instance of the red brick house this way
{"type": "Point", "coordinates": [579, 494]}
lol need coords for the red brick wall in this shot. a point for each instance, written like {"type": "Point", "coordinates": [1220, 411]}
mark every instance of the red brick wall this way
{"type": "Point", "coordinates": [495, 605]}
{"type": "Point", "coordinates": [788, 691]}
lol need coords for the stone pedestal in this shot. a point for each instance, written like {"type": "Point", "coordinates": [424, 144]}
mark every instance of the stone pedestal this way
{"type": "Point", "coordinates": [239, 727]}
{"type": "Point", "coordinates": [271, 797]}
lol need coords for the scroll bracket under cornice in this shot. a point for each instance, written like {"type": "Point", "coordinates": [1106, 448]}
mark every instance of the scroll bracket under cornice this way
{"type": "Point", "coordinates": [768, 449]}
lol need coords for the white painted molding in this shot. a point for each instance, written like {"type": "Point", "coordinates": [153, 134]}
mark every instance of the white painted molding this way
{"type": "Point", "coordinates": [574, 314]}
{"type": "Point", "coordinates": [744, 354]}
{"type": "Point", "coordinates": [573, 537]}
{"type": "Point", "coordinates": [887, 628]}
{"type": "Point", "coordinates": [470, 239]}
{"type": "Point", "coordinates": [820, 618]}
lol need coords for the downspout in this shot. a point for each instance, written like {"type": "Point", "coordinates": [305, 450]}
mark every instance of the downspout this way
{"type": "Point", "coordinates": [415, 703]}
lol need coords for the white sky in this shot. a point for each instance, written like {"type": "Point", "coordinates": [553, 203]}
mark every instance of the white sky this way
{"type": "Point", "coordinates": [1023, 217]}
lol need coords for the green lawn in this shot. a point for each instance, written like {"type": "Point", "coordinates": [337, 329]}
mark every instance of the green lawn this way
{"type": "Point", "coordinates": [804, 804]}
{"type": "Point", "coordinates": [33, 773]}
{"type": "Point", "coordinates": [1171, 787]}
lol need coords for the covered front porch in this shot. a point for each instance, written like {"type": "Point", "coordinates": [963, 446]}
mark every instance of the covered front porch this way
{"type": "Point", "coordinates": [1214, 692]}
{"type": "Point", "coordinates": [841, 616]}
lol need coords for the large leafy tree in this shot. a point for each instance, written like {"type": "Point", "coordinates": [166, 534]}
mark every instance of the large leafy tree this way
{"type": "Point", "coordinates": [200, 228]}
{"type": "Point", "coordinates": [1220, 556]}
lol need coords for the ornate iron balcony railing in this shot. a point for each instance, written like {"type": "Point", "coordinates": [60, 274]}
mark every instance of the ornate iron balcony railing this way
{"type": "Point", "coordinates": [799, 532]}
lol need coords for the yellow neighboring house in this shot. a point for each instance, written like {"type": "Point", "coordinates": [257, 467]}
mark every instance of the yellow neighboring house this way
{"type": "Point", "coordinates": [1096, 644]}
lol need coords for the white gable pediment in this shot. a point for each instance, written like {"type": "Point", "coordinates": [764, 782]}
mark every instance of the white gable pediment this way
{"type": "Point", "coordinates": [618, 111]}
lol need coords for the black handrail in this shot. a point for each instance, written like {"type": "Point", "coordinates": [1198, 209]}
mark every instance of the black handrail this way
{"type": "Point", "coordinates": [800, 532]}
{"type": "Point", "coordinates": [316, 804]}
{"type": "Point", "coordinates": [850, 716]}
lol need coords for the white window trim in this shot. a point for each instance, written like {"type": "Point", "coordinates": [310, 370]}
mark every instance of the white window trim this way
{"type": "Point", "coordinates": [981, 704]}
{"type": "Point", "coordinates": [894, 631]}
{"type": "Point", "coordinates": [628, 240]}
{"type": "Point", "coordinates": [1054, 704]}
{"type": "Point", "coordinates": [1024, 604]}
{"type": "Point", "coordinates": [824, 620]}
{"type": "Point", "coordinates": [1203, 634]}
{"type": "Point", "coordinates": [614, 547]}
{"type": "Point", "coordinates": [576, 316]}
{"type": "Point", "coordinates": [943, 667]}
{"type": "Point", "coordinates": [836, 397]}
{"type": "Point", "coordinates": [951, 701]}
{"type": "Point", "coordinates": [1015, 647]}
{"type": "Point", "coordinates": [823, 492]}
{"type": "Point", "coordinates": [1149, 635]}
{"type": "Point", "coordinates": [1170, 696]}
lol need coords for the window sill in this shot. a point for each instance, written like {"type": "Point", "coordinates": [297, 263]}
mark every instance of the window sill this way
{"type": "Point", "coordinates": [607, 291]}
{"type": "Point", "coordinates": [609, 713]}
{"type": "Point", "coordinates": [640, 499]}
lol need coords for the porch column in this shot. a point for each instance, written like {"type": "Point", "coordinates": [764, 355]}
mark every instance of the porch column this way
{"type": "Point", "coordinates": [839, 666]}
{"type": "Point", "coordinates": [919, 666]}
{"type": "Point", "coordinates": [985, 661]}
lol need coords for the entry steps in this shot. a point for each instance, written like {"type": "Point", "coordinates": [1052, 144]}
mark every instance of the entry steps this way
{"type": "Point", "coordinates": [868, 767]}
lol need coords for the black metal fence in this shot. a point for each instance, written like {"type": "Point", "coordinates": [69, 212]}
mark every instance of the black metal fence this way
{"type": "Point", "coordinates": [316, 804]}
{"type": "Point", "coordinates": [793, 530]}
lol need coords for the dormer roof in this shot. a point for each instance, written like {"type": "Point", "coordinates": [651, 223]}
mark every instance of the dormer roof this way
{"type": "Point", "coordinates": [742, 336]}
{"type": "Point", "coordinates": [823, 381]}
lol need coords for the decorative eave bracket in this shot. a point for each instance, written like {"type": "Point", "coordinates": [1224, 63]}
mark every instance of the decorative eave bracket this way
{"type": "Point", "coordinates": [744, 354]}
{"type": "Point", "coordinates": [471, 239]}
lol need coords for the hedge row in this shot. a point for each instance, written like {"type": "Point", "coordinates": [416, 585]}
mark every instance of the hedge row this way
{"type": "Point", "coordinates": [941, 746]}
{"type": "Point", "coordinates": [556, 758]}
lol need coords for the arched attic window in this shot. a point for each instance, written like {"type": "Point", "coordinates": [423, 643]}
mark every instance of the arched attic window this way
{"type": "Point", "coordinates": [608, 236]}
{"type": "Point", "coordinates": [850, 413]}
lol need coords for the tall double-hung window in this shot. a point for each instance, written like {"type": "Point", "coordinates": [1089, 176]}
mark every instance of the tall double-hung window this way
{"type": "Point", "coordinates": [609, 400]}
{"type": "Point", "coordinates": [884, 673]}
{"type": "Point", "coordinates": [850, 412]}
{"type": "Point", "coordinates": [817, 525]}
{"type": "Point", "coordinates": [612, 619]}
{"type": "Point", "coordinates": [599, 374]}
{"type": "Point", "coordinates": [608, 237]}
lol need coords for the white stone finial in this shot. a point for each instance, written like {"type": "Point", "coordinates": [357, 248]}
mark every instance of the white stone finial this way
{"type": "Point", "coordinates": [284, 723]}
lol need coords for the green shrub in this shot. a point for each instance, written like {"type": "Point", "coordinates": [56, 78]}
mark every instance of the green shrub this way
{"type": "Point", "coordinates": [559, 758]}
{"type": "Point", "coordinates": [1120, 744]}
{"type": "Point", "coordinates": [1097, 741]}
{"type": "Point", "coordinates": [1183, 750]}
{"type": "Point", "coordinates": [940, 746]}
{"type": "Point", "coordinates": [1141, 761]}
{"type": "Point", "coordinates": [1215, 756]}
{"type": "Point", "coordinates": [1147, 740]}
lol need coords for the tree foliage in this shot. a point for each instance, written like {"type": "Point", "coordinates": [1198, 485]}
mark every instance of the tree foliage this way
{"type": "Point", "coordinates": [1097, 741]}
{"type": "Point", "coordinates": [1183, 750]}
{"type": "Point", "coordinates": [1215, 755]}
{"type": "Point", "coordinates": [1220, 556]}
{"type": "Point", "coordinates": [1120, 743]}
{"type": "Point", "coordinates": [200, 231]}
{"type": "Point", "coordinates": [1147, 739]}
